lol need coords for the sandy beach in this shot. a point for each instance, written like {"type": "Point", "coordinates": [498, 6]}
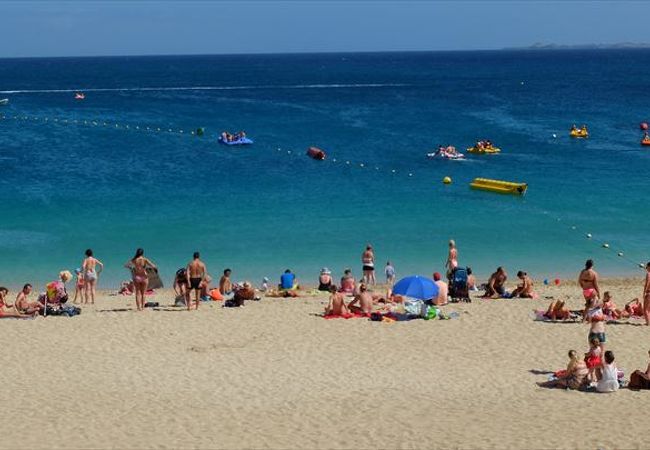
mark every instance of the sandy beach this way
{"type": "Point", "coordinates": [276, 375]}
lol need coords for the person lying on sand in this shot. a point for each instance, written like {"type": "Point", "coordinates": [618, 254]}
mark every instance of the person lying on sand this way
{"type": "Point", "coordinates": [525, 289]}
{"type": "Point", "coordinates": [496, 284]}
{"type": "Point", "coordinates": [364, 299]}
{"type": "Point", "coordinates": [336, 305]}
{"type": "Point", "coordinates": [23, 305]}
{"type": "Point", "coordinates": [575, 376]}
{"type": "Point", "coordinates": [633, 308]}
{"type": "Point", "coordinates": [558, 310]}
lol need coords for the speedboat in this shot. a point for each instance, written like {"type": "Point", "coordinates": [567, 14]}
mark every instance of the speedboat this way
{"type": "Point", "coordinates": [79, 96]}
{"type": "Point", "coordinates": [4, 101]}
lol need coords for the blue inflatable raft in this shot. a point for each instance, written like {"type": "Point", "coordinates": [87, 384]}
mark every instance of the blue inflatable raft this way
{"type": "Point", "coordinates": [240, 141]}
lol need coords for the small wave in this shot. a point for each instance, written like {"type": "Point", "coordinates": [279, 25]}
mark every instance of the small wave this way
{"type": "Point", "coordinates": [209, 88]}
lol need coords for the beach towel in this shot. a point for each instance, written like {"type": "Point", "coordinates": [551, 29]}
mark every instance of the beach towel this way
{"type": "Point", "coordinates": [346, 316]}
{"type": "Point", "coordinates": [539, 315]}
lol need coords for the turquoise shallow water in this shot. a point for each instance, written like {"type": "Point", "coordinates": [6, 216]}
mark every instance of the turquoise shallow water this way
{"type": "Point", "coordinates": [66, 186]}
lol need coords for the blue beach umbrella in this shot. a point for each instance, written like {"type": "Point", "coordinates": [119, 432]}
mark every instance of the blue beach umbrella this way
{"type": "Point", "coordinates": [417, 287]}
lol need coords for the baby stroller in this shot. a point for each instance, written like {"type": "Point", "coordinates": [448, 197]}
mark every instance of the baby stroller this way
{"type": "Point", "coordinates": [458, 288]}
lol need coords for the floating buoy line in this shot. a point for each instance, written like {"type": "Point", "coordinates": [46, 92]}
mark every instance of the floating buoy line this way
{"type": "Point", "coordinates": [200, 131]}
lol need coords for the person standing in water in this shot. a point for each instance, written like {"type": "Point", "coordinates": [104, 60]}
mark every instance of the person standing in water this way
{"type": "Point", "coordinates": [452, 258]}
{"type": "Point", "coordinates": [138, 266]}
{"type": "Point", "coordinates": [196, 272]}
{"type": "Point", "coordinates": [588, 280]}
{"type": "Point", "coordinates": [646, 295]}
{"type": "Point", "coordinates": [90, 274]}
{"type": "Point", "coordinates": [368, 262]}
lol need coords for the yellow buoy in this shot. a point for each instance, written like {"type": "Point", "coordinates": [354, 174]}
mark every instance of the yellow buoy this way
{"type": "Point", "coordinates": [446, 180]}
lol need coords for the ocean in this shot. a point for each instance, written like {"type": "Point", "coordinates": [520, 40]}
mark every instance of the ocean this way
{"type": "Point", "coordinates": [122, 169]}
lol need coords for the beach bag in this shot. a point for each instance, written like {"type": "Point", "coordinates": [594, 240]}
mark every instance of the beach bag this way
{"type": "Point", "coordinates": [414, 307]}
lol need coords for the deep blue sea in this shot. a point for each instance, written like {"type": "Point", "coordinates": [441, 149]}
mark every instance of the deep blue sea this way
{"type": "Point", "coordinates": [73, 176]}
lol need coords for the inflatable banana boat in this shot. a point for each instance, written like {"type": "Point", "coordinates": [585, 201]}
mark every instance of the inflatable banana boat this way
{"type": "Point", "coordinates": [583, 133]}
{"type": "Point", "coordinates": [484, 150]}
{"type": "Point", "coordinates": [498, 186]}
{"type": "Point", "coordinates": [645, 142]}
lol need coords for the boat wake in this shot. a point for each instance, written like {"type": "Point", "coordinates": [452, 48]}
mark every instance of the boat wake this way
{"type": "Point", "coordinates": [210, 88]}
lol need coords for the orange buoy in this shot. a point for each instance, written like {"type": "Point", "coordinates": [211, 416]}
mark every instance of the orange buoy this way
{"type": "Point", "coordinates": [316, 153]}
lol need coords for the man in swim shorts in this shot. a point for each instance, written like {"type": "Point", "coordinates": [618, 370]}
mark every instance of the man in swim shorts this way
{"type": "Point", "coordinates": [364, 299]}
{"type": "Point", "coordinates": [368, 261]}
{"type": "Point", "coordinates": [588, 280]}
{"type": "Point", "coordinates": [196, 272]}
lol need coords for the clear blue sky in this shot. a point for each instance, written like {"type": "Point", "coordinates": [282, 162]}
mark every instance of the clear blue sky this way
{"type": "Point", "coordinates": [76, 28]}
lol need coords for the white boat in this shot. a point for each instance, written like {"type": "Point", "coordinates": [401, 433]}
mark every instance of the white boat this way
{"type": "Point", "coordinates": [4, 101]}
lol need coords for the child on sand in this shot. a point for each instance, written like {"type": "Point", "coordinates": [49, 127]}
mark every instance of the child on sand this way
{"type": "Point", "coordinates": [593, 359]}
{"type": "Point", "coordinates": [78, 286]}
{"type": "Point", "coordinates": [336, 305]}
{"type": "Point", "coordinates": [609, 307]}
{"type": "Point", "coordinates": [596, 318]}
{"type": "Point", "coordinates": [609, 379]}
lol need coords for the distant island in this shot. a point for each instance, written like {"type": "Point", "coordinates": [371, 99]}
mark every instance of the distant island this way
{"type": "Point", "coordinates": [548, 46]}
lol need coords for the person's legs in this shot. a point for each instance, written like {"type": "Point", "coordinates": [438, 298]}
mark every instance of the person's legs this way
{"type": "Point", "coordinates": [93, 288]}
{"type": "Point", "coordinates": [646, 309]}
{"type": "Point", "coordinates": [197, 298]}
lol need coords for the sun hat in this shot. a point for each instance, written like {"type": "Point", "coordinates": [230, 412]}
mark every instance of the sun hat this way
{"type": "Point", "coordinates": [325, 270]}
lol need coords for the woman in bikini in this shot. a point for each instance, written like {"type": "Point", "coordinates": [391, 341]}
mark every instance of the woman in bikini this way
{"type": "Point", "coordinates": [90, 274]}
{"type": "Point", "coordinates": [452, 258]}
{"type": "Point", "coordinates": [646, 295]}
{"type": "Point", "coordinates": [138, 266]}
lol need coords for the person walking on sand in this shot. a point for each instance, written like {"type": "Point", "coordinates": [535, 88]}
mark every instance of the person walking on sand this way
{"type": "Point", "coordinates": [138, 266]}
{"type": "Point", "coordinates": [196, 272]}
{"type": "Point", "coordinates": [588, 279]}
{"type": "Point", "coordinates": [368, 262]}
{"type": "Point", "coordinates": [90, 274]}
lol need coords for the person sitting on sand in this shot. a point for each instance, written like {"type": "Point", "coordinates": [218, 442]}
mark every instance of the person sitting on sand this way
{"type": "Point", "coordinates": [348, 283]}
{"type": "Point", "coordinates": [443, 290]}
{"type": "Point", "coordinates": [325, 280]}
{"type": "Point", "coordinates": [225, 285]}
{"type": "Point", "coordinates": [608, 381]}
{"type": "Point", "coordinates": [22, 303]}
{"type": "Point", "coordinates": [496, 284]}
{"type": "Point", "coordinates": [558, 310]}
{"type": "Point", "coordinates": [288, 281]}
{"type": "Point", "coordinates": [336, 305]}
{"type": "Point", "coordinates": [640, 379]}
{"type": "Point", "coordinates": [364, 299]}
{"type": "Point", "coordinates": [574, 377]}
{"type": "Point", "coordinates": [609, 307]}
{"type": "Point", "coordinates": [525, 289]}
{"type": "Point", "coordinates": [6, 308]}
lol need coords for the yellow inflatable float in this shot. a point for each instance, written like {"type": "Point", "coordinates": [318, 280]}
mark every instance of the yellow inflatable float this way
{"type": "Point", "coordinates": [483, 150]}
{"type": "Point", "coordinates": [498, 186]}
{"type": "Point", "coordinates": [579, 133]}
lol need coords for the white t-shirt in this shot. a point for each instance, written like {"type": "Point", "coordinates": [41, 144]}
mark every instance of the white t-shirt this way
{"type": "Point", "coordinates": [609, 381]}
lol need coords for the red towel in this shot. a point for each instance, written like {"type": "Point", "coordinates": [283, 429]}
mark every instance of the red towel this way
{"type": "Point", "coordinates": [346, 316]}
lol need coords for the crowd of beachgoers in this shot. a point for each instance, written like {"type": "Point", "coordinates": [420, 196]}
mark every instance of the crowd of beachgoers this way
{"type": "Point", "coordinates": [366, 297]}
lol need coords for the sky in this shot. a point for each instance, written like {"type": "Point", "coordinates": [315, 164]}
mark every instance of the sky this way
{"type": "Point", "coordinates": [148, 27]}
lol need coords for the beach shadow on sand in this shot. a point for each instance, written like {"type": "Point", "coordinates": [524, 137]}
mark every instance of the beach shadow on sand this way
{"type": "Point", "coordinates": [540, 372]}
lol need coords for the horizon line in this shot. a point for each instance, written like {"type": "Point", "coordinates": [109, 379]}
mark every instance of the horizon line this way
{"type": "Point", "coordinates": [533, 48]}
